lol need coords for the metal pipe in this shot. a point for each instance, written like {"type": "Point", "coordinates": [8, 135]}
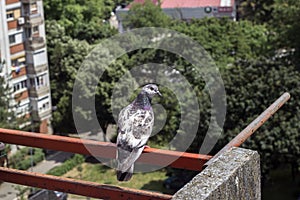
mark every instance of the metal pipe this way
{"type": "Point", "coordinates": [79, 187]}
{"type": "Point", "coordinates": [253, 126]}
{"type": "Point", "coordinates": [152, 156]}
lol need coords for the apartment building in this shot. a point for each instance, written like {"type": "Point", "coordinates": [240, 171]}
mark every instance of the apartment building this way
{"type": "Point", "coordinates": [24, 60]}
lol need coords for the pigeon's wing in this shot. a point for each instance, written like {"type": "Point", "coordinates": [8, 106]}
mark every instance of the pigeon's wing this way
{"type": "Point", "coordinates": [134, 130]}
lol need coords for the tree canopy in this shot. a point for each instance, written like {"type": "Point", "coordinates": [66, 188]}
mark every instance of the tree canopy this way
{"type": "Point", "coordinates": [7, 116]}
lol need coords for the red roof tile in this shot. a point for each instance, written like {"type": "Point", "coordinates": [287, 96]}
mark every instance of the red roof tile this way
{"type": "Point", "coordinates": [186, 3]}
{"type": "Point", "coordinates": [189, 3]}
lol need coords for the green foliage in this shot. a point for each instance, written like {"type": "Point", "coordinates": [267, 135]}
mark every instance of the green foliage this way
{"type": "Point", "coordinates": [7, 117]}
{"type": "Point", "coordinates": [5, 114]}
{"type": "Point", "coordinates": [286, 28]}
{"type": "Point", "coordinates": [250, 88]}
{"type": "Point", "coordinates": [257, 11]}
{"type": "Point", "coordinates": [243, 50]}
{"type": "Point", "coordinates": [65, 58]}
{"type": "Point", "coordinates": [82, 19]}
{"type": "Point", "coordinates": [227, 41]}
{"type": "Point", "coordinates": [146, 14]}
{"type": "Point", "coordinates": [67, 165]}
{"type": "Point", "coordinates": [281, 19]}
{"type": "Point", "coordinates": [22, 159]}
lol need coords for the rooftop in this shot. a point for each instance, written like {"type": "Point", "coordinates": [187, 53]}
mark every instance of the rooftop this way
{"type": "Point", "coordinates": [189, 3]}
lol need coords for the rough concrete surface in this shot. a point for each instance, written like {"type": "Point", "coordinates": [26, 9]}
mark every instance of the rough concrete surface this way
{"type": "Point", "coordinates": [233, 175]}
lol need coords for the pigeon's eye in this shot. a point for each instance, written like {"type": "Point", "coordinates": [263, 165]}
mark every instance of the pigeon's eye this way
{"type": "Point", "coordinates": [152, 88]}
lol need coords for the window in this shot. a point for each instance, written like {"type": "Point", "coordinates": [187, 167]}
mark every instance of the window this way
{"type": "Point", "coordinates": [15, 62]}
{"type": "Point", "coordinates": [35, 29]}
{"type": "Point", "coordinates": [22, 109]}
{"type": "Point", "coordinates": [28, 32]}
{"type": "Point", "coordinates": [39, 81]}
{"type": "Point", "coordinates": [18, 61]}
{"type": "Point", "coordinates": [12, 39]}
{"type": "Point", "coordinates": [45, 106]}
{"type": "Point", "coordinates": [33, 7]}
{"type": "Point", "coordinates": [22, 61]}
{"type": "Point", "coordinates": [10, 15]}
{"type": "Point", "coordinates": [20, 85]}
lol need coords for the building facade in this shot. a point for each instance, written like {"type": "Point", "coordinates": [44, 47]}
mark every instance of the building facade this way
{"type": "Point", "coordinates": [186, 9]}
{"type": "Point", "coordinates": [24, 60]}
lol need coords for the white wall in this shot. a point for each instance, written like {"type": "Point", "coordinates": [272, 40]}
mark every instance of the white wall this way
{"type": "Point", "coordinates": [40, 58]}
{"type": "Point", "coordinates": [43, 104]}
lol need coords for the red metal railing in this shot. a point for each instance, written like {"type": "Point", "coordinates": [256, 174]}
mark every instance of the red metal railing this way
{"type": "Point", "coordinates": [183, 160]}
{"type": "Point", "coordinates": [107, 150]}
{"type": "Point", "coordinates": [79, 187]}
{"type": "Point", "coordinates": [253, 126]}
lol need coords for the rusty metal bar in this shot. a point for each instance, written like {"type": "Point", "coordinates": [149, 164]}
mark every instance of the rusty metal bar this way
{"type": "Point", "coordinates": [158, 157]}
{"type": "Point", "coordinates": [78, 187]}
{"type": "Point", "coordinates": [253, 126]}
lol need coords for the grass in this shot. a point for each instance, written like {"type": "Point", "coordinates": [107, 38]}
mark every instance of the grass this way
{"type": "Point", "coordinates": [152, 181]}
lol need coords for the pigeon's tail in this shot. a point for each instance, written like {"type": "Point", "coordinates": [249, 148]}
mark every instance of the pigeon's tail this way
{"type": "Point", "coordinates": [125, 176]}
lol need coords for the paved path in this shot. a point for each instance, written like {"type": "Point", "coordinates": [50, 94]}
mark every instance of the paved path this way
{"type": "Point", "coordinates": [8, 191]}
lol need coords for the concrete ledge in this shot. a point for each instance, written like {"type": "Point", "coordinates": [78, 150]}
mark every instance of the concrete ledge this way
{"type": "Point", "coordinates": [234, 175]}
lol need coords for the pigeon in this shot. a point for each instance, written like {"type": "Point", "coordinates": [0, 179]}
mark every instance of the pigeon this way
{"type": "Point", "coordinates": [134, 129]}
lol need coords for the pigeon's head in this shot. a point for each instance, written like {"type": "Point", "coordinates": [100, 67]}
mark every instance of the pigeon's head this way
{"type": "Point", "coordinates": [151, 90]}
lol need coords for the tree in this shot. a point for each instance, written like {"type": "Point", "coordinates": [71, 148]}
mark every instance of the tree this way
{"type": "Point", "coordinates": [7, 117]}
{"type": "Point", "coordinates": [146, 14]}
{"type": "Point", "coordinates": [250, 88]}
{"type": "Point", "coordinates": [84, 20]}
{"type": "Point", "coordinates": [286, 29]}
{"type": "Point", "coordinates": [80, 9]}
{"type": "Point", "coordinates": [65, 58]}
{"type": "Point", "coordinates": [228, 41]}
{"type": "Point", "coordinates": [257, 11]}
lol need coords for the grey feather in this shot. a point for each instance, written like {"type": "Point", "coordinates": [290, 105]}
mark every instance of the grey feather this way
{"type": "Point", "coordinates": [135, 125]}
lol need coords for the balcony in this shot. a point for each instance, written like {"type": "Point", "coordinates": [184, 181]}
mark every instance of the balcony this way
{"type": "Point", "coordinates": [29, 1]}
{"type": "Point", "coordinates": [33, 70]}
{"type": "Point", "coordinates": [40, 91]}
{"type": "Point", "coordinates": [33, 19]}
{"type": "Point", "coordinates": [34, 43]}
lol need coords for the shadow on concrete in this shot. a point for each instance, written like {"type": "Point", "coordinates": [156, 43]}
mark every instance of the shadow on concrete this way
{"type": "Point", "coordinates": [57, 156]}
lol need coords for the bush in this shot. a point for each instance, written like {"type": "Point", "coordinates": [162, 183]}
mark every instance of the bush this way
{"type": "Point", "coordinates": [67, 165]}
{"type": "Point", "coordinates": [21, 160]}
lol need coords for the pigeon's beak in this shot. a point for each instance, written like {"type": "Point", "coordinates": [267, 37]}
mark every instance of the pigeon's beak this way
{"type": "Point", "coordinates": [157, 92]}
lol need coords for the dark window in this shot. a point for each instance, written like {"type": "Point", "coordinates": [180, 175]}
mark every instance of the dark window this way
{"type": "Point", "coordinates": [35, 29]}
{"type": "Point", "coordinates": [12, 39]}
{"type": "Point", "coordinates": [9, 15]}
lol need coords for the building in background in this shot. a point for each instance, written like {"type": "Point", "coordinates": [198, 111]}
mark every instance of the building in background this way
{"type": "Point", "coordinates": [24, 61]}
{"type": "Point", "coordinates": [187, 9]}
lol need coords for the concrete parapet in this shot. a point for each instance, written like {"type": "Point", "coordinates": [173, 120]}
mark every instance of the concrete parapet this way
{"type": "Point", "coordinates": [233, 175]}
